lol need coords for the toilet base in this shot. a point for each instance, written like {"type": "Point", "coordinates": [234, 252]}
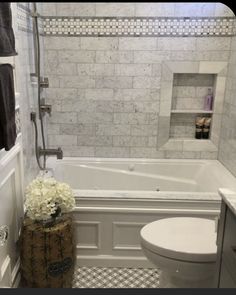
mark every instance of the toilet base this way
{"type": "Point", "coordinates": [170, 281]}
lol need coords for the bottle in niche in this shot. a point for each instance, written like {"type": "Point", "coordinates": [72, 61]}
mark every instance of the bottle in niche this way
{"type": "Point", "coordinates": [206, 128]}
{"type": "Point", "coordinates": [199, 125]}
{"type": "Point", "coordinates": [208, 102]}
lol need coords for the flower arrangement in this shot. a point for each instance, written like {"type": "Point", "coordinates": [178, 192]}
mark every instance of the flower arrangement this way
{"type": "Point", "coordinates": [47, 198]}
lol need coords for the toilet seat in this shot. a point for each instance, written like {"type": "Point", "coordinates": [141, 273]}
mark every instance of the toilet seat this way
{"type": "Point", "coordinates": [181, 238]}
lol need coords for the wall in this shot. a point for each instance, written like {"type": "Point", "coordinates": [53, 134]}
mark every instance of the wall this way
{"type": "Point", "coordinates": [227, 149]}
{"type": "Point", "coordinates": [105, 91]}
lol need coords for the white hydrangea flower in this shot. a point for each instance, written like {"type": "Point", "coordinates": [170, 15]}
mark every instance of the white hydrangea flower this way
{"type": "Point", "coordinates": [45, 195]}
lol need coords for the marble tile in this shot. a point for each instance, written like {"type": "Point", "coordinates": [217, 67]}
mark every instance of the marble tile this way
{"type": "Point", "coordinates": [139, 43]}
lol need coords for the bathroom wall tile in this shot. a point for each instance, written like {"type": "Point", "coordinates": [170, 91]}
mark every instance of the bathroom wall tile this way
{"type": "Point", "coordinates": [168, 43]}
{"type": "Point", "coordinates": [211, 67]}
{"type": "Point", "coordinates": [172, 145]}
{"type": "Point", "coordinates": [115, 9]}
{"type": "Point", "coordinates": [183, 55]}
{"type": "Point", "coordinates": [99, 94]}
{"type": "Point", "coordinates": [138, 43]}
{"type": "Point", "coordinates": [134, 94]}
{"type": "Point", "coordinates": [49, 9]}
{"type": "Point", "coordinates": [77, 105]}
{"type": "Point", "coordinates": [109, 129]}
{"type": "Point", "coordinates": [63, 117]}
{"type": "Point", "coordinates": [126, 118]}
{"type": "Point", "coordinates": [54, 67]}
{"type": "Point", "coordinates": [64, 93]}
{"type": "Point", "coordinates": [155, 9]}
{"type": "Point", "coordinates": [114, 56]}
{"type": "Point", "coordinates": [143, 130]}
{"type": "Point", "coordinates": [86, 140]}
{"type": "Point", "coordinates": [77, 82]}
{"type": "Point", "coordinates": [133, 69]}
{"type": "Point", "coordinates": [53, 129]}
{"type": "Point", "coordinates": [78, 129]}
{"type": "Point", "coordinates": [203, 55]}
{"type": "Point", "coordinates": [215, 44]}
{"type": "Point", "coordinates": [105, 43]}
{"type": "Point", "coordinates": [76, 9]}
{"type": "Point", "coordinates": [76, 56]}
{"type": "Point", "coordinates": [95, 69]}
{"type": "Point", "coordinates": [146, 152]}
{"type": "Point", "coordinates": [147, 107]}
{"type": "Point", "coordinates": [79, 151]}
{"type": "Point", "coordinates": [144, 56]}
{"type": "Point", "coordinates": [153, 118]}
{"type": "Point", "coordinates": [97, 118]}
{"type": "Point", "coordinates": [173, 155]}
{"type": "Point", "coordinates": [60, 43]}
{"type": "Point", "coordinates": [185, 91]}
{"type": "Point", "coordinates": [152, 141]}
{"type": "Point", "coordinates": [112, 152]}
{"type": "Point", "coordinates": [194, 155]}
{"type": "Point", "coordinates": [138, 141]}
{"type": "Point", "coordinates": [146, 82]}
{"type": "Point", "coordinates": [54, 81]}
{"type": "Point", "coordinates": [194, 9]}
{"type": "Point", "coordinates": [203, 145]}
{"type": "Point", "coordinates": [114, 82]}
{"type": "Point", "coordinates": [55, 103]}
{"type": "Point", "coordinates": [209, 155]}
{"type": "Point", "coordinates": [156, 70]}
{"type": "Point", "coordinates": [62, 140]}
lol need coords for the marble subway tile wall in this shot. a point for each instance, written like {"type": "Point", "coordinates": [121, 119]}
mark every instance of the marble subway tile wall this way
{"type": "Point", "coordinates": [105, 91]}
{"type": "Point", "coordinates": [227, 148]}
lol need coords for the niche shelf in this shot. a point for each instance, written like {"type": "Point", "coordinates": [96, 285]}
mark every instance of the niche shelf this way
{"type": "Point", "coordinates": [191, 112]}
{"type": "Point", "coordinates": [189, 91]}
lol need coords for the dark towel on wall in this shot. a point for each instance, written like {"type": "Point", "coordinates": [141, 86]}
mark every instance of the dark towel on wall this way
{"type": "Point", "coordinates": [7, 38]}
{"type": "Point", "coordinates": [7, 107]}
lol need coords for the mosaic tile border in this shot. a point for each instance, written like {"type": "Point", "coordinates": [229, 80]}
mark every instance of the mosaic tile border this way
{"type": "Point", "coordinates": [139, 26]}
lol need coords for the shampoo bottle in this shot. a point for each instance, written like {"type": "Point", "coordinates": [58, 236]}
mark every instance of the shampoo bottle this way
{"type": "Point", "coordinates": [208, 102]}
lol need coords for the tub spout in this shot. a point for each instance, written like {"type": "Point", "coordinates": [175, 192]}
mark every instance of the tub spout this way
{"type": "Point", "coordinates": [51, 152]}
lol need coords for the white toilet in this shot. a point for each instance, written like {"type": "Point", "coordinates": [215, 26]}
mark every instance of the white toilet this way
{"type": "Point", "coordinates": [184, 248]}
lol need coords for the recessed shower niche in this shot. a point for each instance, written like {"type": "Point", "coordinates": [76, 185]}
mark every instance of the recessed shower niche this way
{"type": "Point", "coordinates": [184, 86]}
{"type": "Point", "coordinates": [188, 103]}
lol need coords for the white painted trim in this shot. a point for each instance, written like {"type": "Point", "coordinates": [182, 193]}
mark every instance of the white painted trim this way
{"type": "Point", "coordinates": [115, 225]}
{"type": "Point", "coordinates": [10, 155]}
{"type": "Point", "coordinates": [145, 210]}
{"type": "Point", "coordinates": [98, 225]}
{"type": "Point", "coordinates": [113, 261]}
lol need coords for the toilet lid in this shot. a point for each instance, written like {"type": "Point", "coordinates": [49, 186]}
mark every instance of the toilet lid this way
{"type": "Point", "coordinates": [181, 238]}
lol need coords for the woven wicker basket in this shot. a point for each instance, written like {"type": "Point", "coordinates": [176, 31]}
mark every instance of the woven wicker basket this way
{"type": "Point", "coordinates": [47, 254]}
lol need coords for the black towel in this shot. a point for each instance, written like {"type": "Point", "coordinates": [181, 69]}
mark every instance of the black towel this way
{"type": "Point", "coordinates": [7, 38]}
{"type": "Point", "coordinates": [7, 107]}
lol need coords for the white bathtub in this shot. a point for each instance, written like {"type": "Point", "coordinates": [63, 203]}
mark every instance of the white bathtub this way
{"type": "Point", "coordinates": [116, 197]}
{"type": "Point", "coordinates": [86, 174]}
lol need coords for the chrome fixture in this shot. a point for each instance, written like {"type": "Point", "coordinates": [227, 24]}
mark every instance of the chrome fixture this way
{"type": "Point", "coordinates": [50, 152]}
{"type": "Point", "coordinates": [45, 108]}
{"type": "Point", "coordinates": [44, 82]}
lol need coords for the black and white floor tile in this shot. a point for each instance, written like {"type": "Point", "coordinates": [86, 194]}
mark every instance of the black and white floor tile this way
{"type": "Point", "coordinates": [101, 277]}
